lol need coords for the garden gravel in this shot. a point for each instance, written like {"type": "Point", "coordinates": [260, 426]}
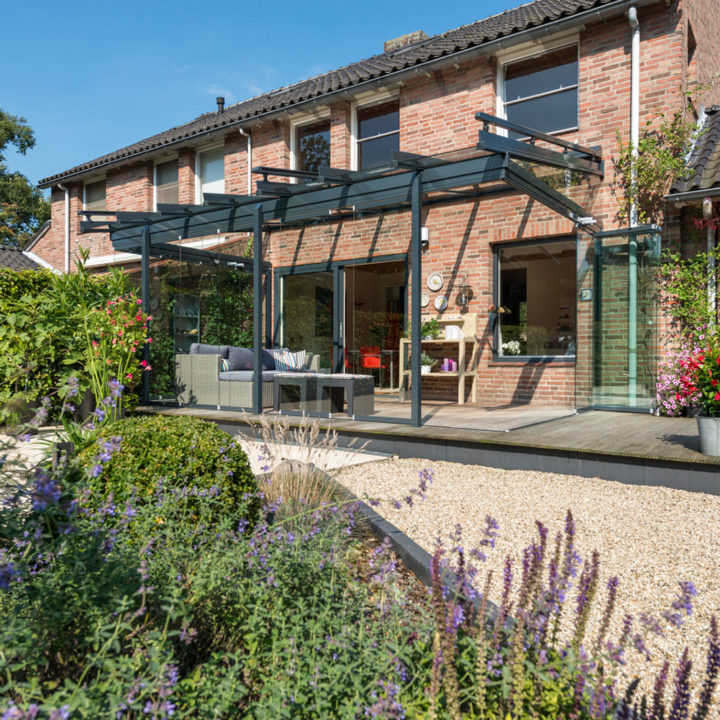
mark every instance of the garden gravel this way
{"type": "Point", "coordinates": [650, 537]}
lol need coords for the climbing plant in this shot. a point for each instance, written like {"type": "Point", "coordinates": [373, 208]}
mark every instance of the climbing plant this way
{"type": "Point", "coordinates": [643, 180]}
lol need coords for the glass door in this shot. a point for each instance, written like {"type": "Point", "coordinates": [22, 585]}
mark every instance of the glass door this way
{"type": "Point", "coordinates": [308, 313]}
{"type": "Point", "coordinates": [624, 302]}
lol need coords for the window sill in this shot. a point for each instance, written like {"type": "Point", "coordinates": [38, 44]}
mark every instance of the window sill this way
{"type": "Point", "coordinates": [545, 360]}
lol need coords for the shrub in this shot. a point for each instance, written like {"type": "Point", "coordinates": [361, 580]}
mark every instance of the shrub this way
{"type": "Point", "coordinates": [172, 450]}
{"type": "Point", "coordinates": [676, 388]}
{"type": "Point", "coordinates": [42, 339]}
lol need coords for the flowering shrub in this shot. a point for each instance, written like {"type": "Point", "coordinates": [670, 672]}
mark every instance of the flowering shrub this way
{"type": "Point", "coordinates": [676, 388]}
{"type": "Point", "coordinates": [41, 337]}
{"type": "Point", "coordinates": [690, 378]}
{"type": "Point", "coordinates": [115, 334]}
{"type": "Point", "coordinates": [707, 376]}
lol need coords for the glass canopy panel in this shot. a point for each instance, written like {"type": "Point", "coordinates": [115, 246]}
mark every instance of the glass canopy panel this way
{"type": "Point", "coordinates": [575, 186]}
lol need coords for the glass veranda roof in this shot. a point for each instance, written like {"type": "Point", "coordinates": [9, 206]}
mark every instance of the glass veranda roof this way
{"type": "Point", "coordinates": [495, 161]}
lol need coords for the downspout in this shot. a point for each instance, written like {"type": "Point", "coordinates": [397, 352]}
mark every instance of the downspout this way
{"type": "Point", "coordinates": [247, 135]}
{"type": "Point", "coordinates": [66, 189]}
{"type": "Point", "coordinates": [632, 238]}
{"type": "Point", "coordinates": [712, 282]}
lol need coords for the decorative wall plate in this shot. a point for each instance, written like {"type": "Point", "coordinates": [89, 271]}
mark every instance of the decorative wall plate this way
{"type": "Point", "coordinates": [435, 281]}
{"type": "Point", "coordinates": [424, 300]}
{"type": "Point", "coordinates": [441, 302]}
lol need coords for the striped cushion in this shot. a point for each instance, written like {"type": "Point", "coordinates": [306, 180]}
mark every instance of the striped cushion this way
{"type": "Point", "coordinates": [290, 361]}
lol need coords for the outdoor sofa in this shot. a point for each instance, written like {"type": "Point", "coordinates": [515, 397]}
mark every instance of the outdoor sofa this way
{"type": "Point", "coordinates": [222, 375]}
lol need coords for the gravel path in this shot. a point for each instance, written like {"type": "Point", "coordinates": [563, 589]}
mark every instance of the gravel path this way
{"type": "Point", "coordinates": [651, 537]}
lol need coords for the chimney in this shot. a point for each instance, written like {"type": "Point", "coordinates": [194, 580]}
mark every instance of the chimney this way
{"type": "Point", "coordinates": [220, 103]}
{"type": "Point", "coordinates": [405, 40]}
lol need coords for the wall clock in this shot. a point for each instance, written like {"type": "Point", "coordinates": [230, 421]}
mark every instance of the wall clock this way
{"type": "Point", "coordinates": [440, 303]}
{"type": "Point", "coordinates": [435, 281]}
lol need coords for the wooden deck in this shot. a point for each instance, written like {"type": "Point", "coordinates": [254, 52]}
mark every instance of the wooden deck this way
{"type": "Point", "coordinates": [639, 437]}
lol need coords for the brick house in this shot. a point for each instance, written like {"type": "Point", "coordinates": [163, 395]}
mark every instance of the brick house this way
{"type": "Point", "coordinates": [553, 298]}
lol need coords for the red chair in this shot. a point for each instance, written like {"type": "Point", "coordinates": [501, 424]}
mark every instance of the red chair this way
{"type": "Point", "coordinates": [371, 359]}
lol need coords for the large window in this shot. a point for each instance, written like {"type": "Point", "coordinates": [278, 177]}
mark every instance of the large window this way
{"type": "Point", "coordinates": [94, 196]}
{"type": "Point", "coordinates": [166, 182]}
{"type": "Point", "coordinates": [378, 134]}
{"type": "Point", "coordinates": [536, 298]}
{"type": "Point", "coordinates": [313, 146]}
{"type": "Point", "coordinates": [542, 92]}
{"type": "Point", "coordinates": [211, 172]}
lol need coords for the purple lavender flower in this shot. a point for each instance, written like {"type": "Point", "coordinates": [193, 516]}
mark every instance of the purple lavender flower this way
{"type": "Point", "coordinates": [681, 701]}
{"type": "Point", "coordinates": [72, 387]}
{"type": "Point", "coordinates": [45, 491]}
{"type": "Point", "coordinates": [116, 388]}
{"type": "Point", "coordinates": [683, 602]}
{"type": "Point", "coordinates": [8, 573]}
{"type": "Point", "coordinates": [62, 713]}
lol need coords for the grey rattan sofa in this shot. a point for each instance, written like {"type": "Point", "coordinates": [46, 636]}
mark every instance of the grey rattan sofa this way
{"type": "Point", "coordinates": [222, 375]}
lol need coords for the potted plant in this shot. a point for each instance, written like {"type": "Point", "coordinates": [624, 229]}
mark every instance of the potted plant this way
{"type": "Point", "coordinates": [706, 367]}
{"type": "Point", "coordinates": [426, 363]}
{"type": "Point", "coordinates": [431, 329]}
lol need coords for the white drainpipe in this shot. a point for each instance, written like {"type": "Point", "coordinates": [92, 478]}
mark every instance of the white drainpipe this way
{"type": "Point", "coordinates": [246, 134]}
{"type": "Point", "coordinates": [712, 283]}
{"type": "Point", "coordinates": [632, 239]}
{"type": "Point", "coordinates": [634, 99]}
{"type": "Point", "coordinates": [66, 189]}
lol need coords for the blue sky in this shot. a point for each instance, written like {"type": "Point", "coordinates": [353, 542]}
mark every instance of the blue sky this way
{"type": "Point", "coordinates": [93, 76]}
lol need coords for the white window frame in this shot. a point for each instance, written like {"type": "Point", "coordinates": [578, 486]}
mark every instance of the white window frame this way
{"type": "Point", "coordinates": [162, 161]}
{"type": "Point", "coordinates": [363, 102]}
{"type": "Point", "coordinates": [527, 51]}
{"type": "Point", "coordinates": [297, 124]}
{"type": "Point", "coordinates": [92, 182]}
{"type": "Point", "coordinates": [198, 182]}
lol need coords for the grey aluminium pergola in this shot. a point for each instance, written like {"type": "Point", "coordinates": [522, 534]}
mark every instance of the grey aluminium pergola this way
{"type": "Point", "coordinates": [408, 181]}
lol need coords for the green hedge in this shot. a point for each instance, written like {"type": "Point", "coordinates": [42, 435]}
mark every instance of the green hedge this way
{"type": "Point", "coordinates": [177, 451]}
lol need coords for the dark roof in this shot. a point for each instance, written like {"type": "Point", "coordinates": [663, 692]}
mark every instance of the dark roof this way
{"type": "Point", "coordinates": [509, 22]}
{"type": "Point", "coordinates": [16, 259]}
{"type": "Point", "coordinates": [705, 157]}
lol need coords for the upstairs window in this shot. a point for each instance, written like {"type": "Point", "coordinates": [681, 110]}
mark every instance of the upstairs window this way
{"type": "Point", "coordinates": [166, 182]}
{"type": "Point", "coordinates": [542, 92]}
{"type": "Point", "coordinates": [378, 134]}
{"type": "Point", "coordinates": [313, 146]}
{"type": "Point", "coordinates": [94, 196]}
{"type": "Point", "coordinates": [210, 172]}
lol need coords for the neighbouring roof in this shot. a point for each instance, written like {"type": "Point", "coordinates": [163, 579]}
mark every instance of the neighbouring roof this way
{"type": "Point", "coordinates": [16, 259]}
{"type": "Point", "coordinates": [509, 22]}
{"type": "Point", "coordinates": [704, 163]}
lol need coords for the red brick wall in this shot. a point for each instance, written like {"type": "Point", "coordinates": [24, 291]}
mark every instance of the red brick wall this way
{"type": "Point", "coordinates": [702, 17]}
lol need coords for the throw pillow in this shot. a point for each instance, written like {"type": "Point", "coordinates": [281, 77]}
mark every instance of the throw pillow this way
{"type": "Point", "coordinates": [240, 358]}
{"type": "Point", "coordinates": [224, 365]}
{"type": "Point", "coordinates": [291, 361]}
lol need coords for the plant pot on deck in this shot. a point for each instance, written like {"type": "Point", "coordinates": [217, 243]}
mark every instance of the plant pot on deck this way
{"type": "Point", "coordinates": [709, 430]}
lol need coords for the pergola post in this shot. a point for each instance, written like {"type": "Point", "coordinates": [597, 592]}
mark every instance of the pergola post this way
{"type": "Point", "coordinates": [145, 281]}
{"type": "Point", "coordinates": [415, 317]}
{"type": "Point", "coordinates": [257, 309]}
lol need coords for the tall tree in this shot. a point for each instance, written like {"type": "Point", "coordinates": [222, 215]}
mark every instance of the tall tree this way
{"type": "Point", "coordinates": [23, 209]}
